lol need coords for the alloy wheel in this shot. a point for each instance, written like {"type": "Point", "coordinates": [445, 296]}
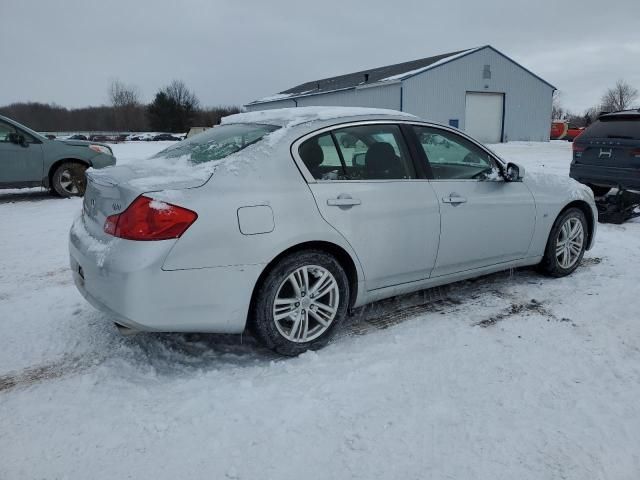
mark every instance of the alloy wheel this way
{"type": "Point", "coordinates": [569, 243]}
{"type": "Point", "coordinates": [68, 183]}
{"type": "Point", "coordinates": [306, 303]}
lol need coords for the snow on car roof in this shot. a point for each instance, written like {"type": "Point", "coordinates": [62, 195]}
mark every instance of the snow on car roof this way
{"type": "Point", "coordinates": [288, 117]}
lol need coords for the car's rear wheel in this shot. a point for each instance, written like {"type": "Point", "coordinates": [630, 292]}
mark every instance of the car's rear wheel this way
{"type": "Point", "coordinates": [300, 302]}
{"type": "Point", "coordinates": [599, 191]}
{"type": "Point", "coordinates": [566, 244]}
{"type": "Point", "coordinates": [69, 179]}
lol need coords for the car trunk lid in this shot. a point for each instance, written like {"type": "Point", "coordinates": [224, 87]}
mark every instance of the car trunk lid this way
{"type": "Point", "coordinates": [110, 191]}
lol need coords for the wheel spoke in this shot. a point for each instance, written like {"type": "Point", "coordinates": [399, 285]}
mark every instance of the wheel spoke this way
{"type": "Point", "coordinates": [300, 327]}
{"type": "Point", "coordinates": [329, 285]}
{"type": "Point", "coordinates": [319, 282]}
{"type": "Point", "coordinates": [319, 319]}
{"type": "Point", "coordinates": [576, 232]}
{"type": "Point", "coordinates": [282, 315]}
{"type": "Point", "coordinates": [286, 301]}
{"type": "Point", "coordinates": [305, 279]}
{"type": "Point", "coordinates": [294, 281]}
{"type": "Point", "coordinates": [575, 250]}
{"type": "Point", "coordinates": [325, 308]}
{"type": "Point", "coordinates": [296, 326]}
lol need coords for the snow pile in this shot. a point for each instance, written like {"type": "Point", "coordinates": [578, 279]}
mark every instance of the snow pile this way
{"type": "Point", "coordinates": [289, 117]}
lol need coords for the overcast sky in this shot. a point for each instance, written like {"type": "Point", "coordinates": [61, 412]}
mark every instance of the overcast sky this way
{"type": "Point", "coordinates": [232, 52]}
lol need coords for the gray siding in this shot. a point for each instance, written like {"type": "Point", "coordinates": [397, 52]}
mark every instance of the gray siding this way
{"type": "Point", "coordinates": [385, 96]}
{"type": "Point", "coordinates": [439, 94]}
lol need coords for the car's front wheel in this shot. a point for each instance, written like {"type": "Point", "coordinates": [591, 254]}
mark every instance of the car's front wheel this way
{"type": "Point", "coordinates": [300, 302]}
{"type": "Point", "coordinates": [69, 179]}
{"type": "Point", "coordinates": [566, 244]}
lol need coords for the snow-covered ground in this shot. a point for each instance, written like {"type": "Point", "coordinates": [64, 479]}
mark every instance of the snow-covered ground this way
{"type": "Point", "coordinates": [513, 376]}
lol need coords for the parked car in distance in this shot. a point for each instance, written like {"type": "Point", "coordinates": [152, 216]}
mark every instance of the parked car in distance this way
{"type": "Point", "coordinates": [607, 154]}
{"type": "Point", "coordinates": [99, 138]}
{"type": "Point", "coordinates": [196, 130]}
{"type": "Point", "coordinates": [77, 136]}
{"type": "Point", "coordinates": [28, 159]}
{"type": "Point", "coordinates": [269, 222]}
{"type": "Point", "coordinates": [166, 136]}
{"type": "Point", "coordinates": [564, 131]}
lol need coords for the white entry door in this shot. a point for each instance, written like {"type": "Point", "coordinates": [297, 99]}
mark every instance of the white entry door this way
{"type": "Point", "coordinates": [483, 116]}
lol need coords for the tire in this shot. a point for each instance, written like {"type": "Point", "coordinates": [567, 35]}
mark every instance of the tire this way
{"type": "Point", "coordinates": [556, 263]}
{"type": "Point", "coordinates": [296, 327]}
{"type": "Point", "coordinates": [69, 180]}
{"type": "Point", "coordinates": [598, 191]}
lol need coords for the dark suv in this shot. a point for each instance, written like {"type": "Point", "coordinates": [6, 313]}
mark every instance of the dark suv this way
{"type": "Point", "coordinates": [607, 153]}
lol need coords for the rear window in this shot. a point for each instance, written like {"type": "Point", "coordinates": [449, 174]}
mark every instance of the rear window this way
{"type": "Point", "coordinates": [218, 142]}
{"type": "Point", "coordinates": [614, 128]}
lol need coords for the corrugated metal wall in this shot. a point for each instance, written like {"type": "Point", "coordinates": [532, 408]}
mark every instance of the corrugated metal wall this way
{"type": "Point", "coordinates": [385, 96]}
{"type": "Point", "coordinates": [439, 94]}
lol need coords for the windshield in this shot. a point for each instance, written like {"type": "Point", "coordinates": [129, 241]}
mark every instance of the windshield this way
{"type": "Point", "coordinates": [614, 128]}
{"type": "Point", "coordinates": [218, 142]}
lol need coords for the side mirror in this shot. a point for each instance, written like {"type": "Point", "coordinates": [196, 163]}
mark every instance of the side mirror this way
{"type": "Point", "coordinates": [514, 172]}
{"type": "Point", "coordinates": [17, 138]}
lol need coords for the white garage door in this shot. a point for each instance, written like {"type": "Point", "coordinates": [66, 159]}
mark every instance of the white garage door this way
{"type": "Point", "coordinates": [483, 116]}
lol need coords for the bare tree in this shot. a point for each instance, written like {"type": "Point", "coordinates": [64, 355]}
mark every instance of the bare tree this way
{"type": "Point", "coordinates": [121, 95]}
{"type": "Point", "coordinates": [178, 92]}
{"type": "Point", "coordinates": [620, 97]}
{"type": "Point", "coordinates": [128, 113]}
{"type": "Point", "coordinates": [557, 110]}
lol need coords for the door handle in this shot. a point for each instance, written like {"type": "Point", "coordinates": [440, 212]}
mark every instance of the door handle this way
{"type": "Point", "coordinates": [343, 200]}
{"type": "Point", "coordinates": [454, 199]}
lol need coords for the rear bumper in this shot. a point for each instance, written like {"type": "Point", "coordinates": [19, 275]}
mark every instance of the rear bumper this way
{"type": "Point", "coordinates": [125, 279]}
{"type": "Point", "coordinates": [628, 178]}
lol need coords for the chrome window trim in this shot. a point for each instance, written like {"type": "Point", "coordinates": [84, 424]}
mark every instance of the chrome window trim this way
{"type": "Point", "coordinates": [295, 145]}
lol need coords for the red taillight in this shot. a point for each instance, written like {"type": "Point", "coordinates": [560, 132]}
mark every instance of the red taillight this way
{"type": "Point", "coordinates": [148, 219]}
{"type": "Point", "coordinates": [635, 153]}
{"type": "Point", "coordinates": [578, 148]}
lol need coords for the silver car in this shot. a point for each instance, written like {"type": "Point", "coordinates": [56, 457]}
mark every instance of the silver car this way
{"type": "Point", "coordinates": [282, 221]}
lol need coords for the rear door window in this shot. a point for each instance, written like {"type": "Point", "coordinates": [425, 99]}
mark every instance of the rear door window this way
{"type": "Point", "coordinates": [614, 128]}
{"type": "Point", "coordinates": [363, 152]}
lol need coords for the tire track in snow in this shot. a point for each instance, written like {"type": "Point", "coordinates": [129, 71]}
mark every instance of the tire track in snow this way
{"type": "Point", "coordinates": [67, 365]}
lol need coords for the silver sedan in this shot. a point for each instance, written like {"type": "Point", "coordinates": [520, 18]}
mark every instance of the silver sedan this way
{"type": "Point", "coordinates": [282, 221]}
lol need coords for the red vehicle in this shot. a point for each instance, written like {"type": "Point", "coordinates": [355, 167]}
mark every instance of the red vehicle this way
{"type": "Point", "coordinates": [564, 131]}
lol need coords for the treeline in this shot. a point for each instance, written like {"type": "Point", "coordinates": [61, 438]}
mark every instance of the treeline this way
{"type": "Point", "coordinates": [622, 96]}
{"type": "Point", "coordinates": [174, 109]}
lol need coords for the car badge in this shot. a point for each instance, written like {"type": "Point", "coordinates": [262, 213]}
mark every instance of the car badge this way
{"type": "Point", "coordinates": [605, 153]}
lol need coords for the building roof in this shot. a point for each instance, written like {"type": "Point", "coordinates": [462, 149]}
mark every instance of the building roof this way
{"type": "Point", "coordinates": [377, 76]}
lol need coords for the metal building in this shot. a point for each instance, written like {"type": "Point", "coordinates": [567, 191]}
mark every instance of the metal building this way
{"type": "Point", "coordinates": [479, 90]}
